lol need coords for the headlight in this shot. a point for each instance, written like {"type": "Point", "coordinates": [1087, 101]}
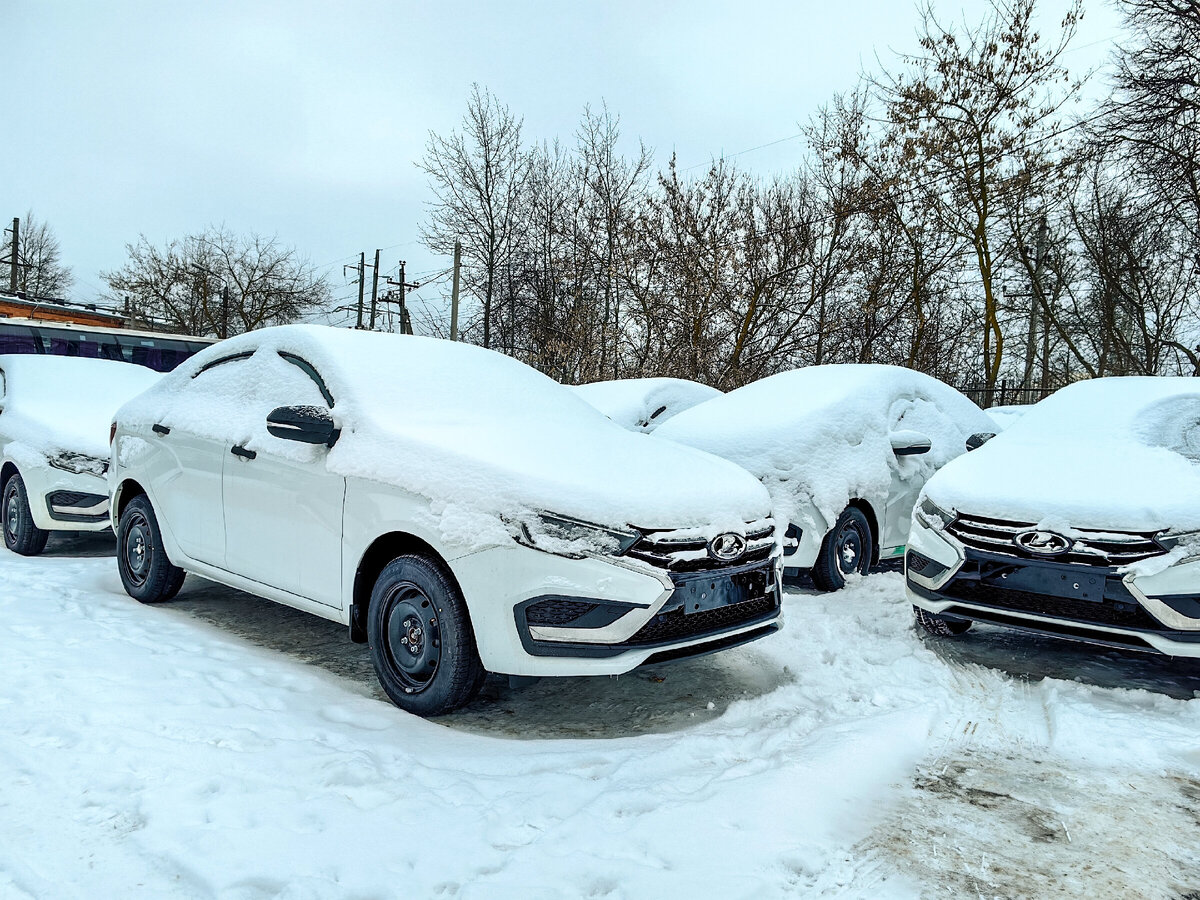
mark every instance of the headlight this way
{"type": "Point", "coordinates": [80, 464]}
{"type": "Point", "coordinates": [565, 536]}
{"type": "Point", "coordinates": [931, 515]}
{"type": "Point", "coordinates": [1184, 544]}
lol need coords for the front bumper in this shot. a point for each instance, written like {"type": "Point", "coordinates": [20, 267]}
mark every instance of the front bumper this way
{"type": "Point", "coordinates": [66, 501]}
{"type": "Point", "coordinates": [603, 616]}
{"type": "Point", "coordinates": [1083, 602]}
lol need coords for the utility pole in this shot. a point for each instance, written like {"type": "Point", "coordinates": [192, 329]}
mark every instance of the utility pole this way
{"type": "Point", "coordinates": [1035, 300]}
{"type": "Point", "coordinates": [362, 266]}
{"type": "Point", "coordinates": [454, 292]}
{"type": "Point", "coordinates": [405, 319]}
{"type": "Point", "coordinates": [12, 261]}
{"type": "Point", "coordinates": [224, 309]}
{"type": "Point", "coordinates": [375, 288]}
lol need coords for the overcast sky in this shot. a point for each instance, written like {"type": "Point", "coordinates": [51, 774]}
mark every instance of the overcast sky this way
{"type": "Point", "coordinates": [304, 119]}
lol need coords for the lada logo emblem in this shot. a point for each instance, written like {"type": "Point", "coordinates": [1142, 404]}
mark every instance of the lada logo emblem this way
{"type": "Point", "coordinates": [727, 547]}
{"type": "Point", "coordinates": [1042, 543]}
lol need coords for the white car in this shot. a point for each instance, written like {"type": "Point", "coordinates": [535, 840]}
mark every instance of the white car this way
{"type": "Point", "coordinates": [55, 413]}
{"type": "Point", "coordinates": [642, 404]}
{"type": "Point", "coordinates": [456, 509]}
{"type": "Point", "coordinates": [844, 451]}
{"type": "Point", "coordinates": [1082, 520]}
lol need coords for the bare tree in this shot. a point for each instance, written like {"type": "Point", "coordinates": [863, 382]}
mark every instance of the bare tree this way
{"type": "Point", "coordinates": [478, 175]}
{"type": "Point", "coordinates": [184, 283]}
{"type": "Point", "coordinates": [40, 272]}
{"type": "Point", "coordinates": [977, 110]}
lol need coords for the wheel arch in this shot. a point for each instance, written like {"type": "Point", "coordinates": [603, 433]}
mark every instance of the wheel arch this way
{"type": "Point", "coordinates": [864, 506]}
{"type": "Point", "coordinates": [126, 491]}
{"type": "Point", "coordinates": [6, 472]}
{"type": "Point", "coordinates": [382, 551]}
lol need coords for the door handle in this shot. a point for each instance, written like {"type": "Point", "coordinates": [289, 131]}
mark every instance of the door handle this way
{"type": "Point", "coordinates": [160, 429]}
{"type": "Point", "coordinates": [238, 450]}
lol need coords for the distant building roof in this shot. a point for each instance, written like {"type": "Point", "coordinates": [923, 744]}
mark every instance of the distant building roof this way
{"type": "Point", "coordinates": [57, 310]}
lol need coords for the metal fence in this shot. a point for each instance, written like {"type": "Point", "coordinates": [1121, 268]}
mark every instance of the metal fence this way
{"type": "Point", "coordinates": [1004, 394]}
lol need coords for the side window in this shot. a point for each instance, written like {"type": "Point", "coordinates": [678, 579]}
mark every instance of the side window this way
{"type": "Point", "coordinates": [304, 366]}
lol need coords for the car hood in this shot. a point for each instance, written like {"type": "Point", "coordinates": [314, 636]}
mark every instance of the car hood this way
{"type": "Point", "coordinates": [1119, 485]}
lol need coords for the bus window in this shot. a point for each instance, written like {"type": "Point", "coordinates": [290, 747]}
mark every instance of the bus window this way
{"type": "Point", "coordinates": [19, 339]}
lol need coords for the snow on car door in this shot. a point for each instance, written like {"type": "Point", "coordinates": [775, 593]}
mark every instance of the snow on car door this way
{"type": "Point", "coordinates": [283, 509]}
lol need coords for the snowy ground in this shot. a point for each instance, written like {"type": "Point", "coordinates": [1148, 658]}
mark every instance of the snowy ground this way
{"type": "Point", "coordinates": [222, 746]}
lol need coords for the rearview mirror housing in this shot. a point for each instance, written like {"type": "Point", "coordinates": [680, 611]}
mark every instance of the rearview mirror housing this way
{"type": "Point", "coordinates": [305, 424]}
{"type": "Point", "coordinates": [977, 440]}
{"type": "Point", "coordinates": [910, 443]}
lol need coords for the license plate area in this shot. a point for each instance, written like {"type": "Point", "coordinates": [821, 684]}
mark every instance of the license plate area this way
{"type": "Point", "coordinates": [1062, 581]}
{"type": "Point", "coordinates": [704, 591]}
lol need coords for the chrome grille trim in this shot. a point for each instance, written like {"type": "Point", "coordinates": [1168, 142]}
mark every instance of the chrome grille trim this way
{"type": "Point", "coordinates": [1096, 547]}
{"type": "Point", "coordinates": [686, 549]}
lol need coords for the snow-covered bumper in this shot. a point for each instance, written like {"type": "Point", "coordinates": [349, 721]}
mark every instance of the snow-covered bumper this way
{"type": "Point", "coordinates": [539, 614]}
{"type": "Point", "coordinates": [970, 574]}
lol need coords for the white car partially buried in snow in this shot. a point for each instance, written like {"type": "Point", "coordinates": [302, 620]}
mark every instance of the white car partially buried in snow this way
{"type": "Point", "coordinates": [844, 451]}
{"type": "Point", "coordinates": [456, 509]}
{"type": "Point", "coordinates": [1082, 520]}
{"type": "Point", "coordinates": [642, 404]}
{"type": "Point", "coordinates": [55, 413]}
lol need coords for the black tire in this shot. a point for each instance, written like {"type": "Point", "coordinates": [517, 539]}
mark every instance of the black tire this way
{"type": "Point", "coordinates": [146, 572]}
{"type": "Point", "coordinates": [422, 643]}
{"type": "Point", "coordinates": [849, 547]}
{"type": "Point", "coordinates": [940, 626]}
{"type": "Point", "coordinates": [20, 534]}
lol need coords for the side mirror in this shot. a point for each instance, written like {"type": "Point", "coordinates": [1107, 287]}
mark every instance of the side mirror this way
{"type": "Point", "coordinates": [306, 424]}
{"type": "Point", "coordinates": [910, 443]}
{"type": "Point", "coordinates": [975, 441]}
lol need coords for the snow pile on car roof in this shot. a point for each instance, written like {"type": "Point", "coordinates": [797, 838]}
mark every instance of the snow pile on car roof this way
{"type": "Point", "coordinates": [470, 429]}
{"type": "Point", "coordinates": [642, 404]}
{"type": "Point", "coordinates": [823, 433]}
{"type": "Point", "coordinates": [54, 403]}
{"type": "Point", "coordinates": [1116, 453]}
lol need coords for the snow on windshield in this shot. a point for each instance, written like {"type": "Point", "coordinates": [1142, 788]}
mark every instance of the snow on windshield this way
{"type": "Point", "coordinates": [823, 433]}
{"type": "Point", "coordinates": [642, 404]}
{"type": "Point", "coordinates": [470, 429]}
{"type": "Point", "coordinates": [54, 403]}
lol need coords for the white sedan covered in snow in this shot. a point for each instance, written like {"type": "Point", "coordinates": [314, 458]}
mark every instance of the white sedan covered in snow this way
{"type": "Point", "coordinates": [55, 413]}
{"type": "Point", "coordinates": [844, 451]}
{"type": "Point", "coordinates": [642, 404]}
{"type": "Point", "coordinates": [1082, 520]}
{"type": "Point", "coordinates": [456, 509]}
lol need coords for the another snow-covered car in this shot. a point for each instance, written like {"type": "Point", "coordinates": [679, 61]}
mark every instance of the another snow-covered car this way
{"type": "Point", "coordinates": [642, 404]}
{"type": "Point", "coordinates": [456, 509]}
{"type": "Point", "coordinates": [1004, 416]}
{"type": "Point", "coordinates": [844, 451]}
{"type": "Point", "coordinates": [55, 413]}
{"type": "Point", "coordinates": [1082, 520]}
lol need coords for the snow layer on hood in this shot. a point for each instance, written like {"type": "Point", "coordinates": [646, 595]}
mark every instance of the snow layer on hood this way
{"type": "Point", "coordinates": [642, 404]}
{"type": "Point", "coordinates": [1115, 453]}
{"type": "Point", "coordinates": [55, 403]}
{"type": "Point", "coordinates": [821, 435]}
{"type": "Point", "coordinates": [470, 429]}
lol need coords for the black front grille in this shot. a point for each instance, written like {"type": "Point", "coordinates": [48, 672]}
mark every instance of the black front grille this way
{"type": "Point", "coordinates": [1092, 547]}
{"type": "Point", "coordinates": [685, 551]}
{"type": "Point", "coordinates": [678, 625]}
{"type": "Point", "coordinates": [1117, 613]}
{"type": "Point", "coordinates": [557, 611]}
{"type": "Point", "coordinates": [923, 565]}
{"type": "Point", "coordinates": [75, 499]}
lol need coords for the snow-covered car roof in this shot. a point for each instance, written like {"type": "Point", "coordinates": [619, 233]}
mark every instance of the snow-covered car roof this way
{"type": "Point", "coordinates": [471, 429]}
{"type": "Point", "coordinates": [642, 404]}
{"type": "Point", "coordinates": [1117, 453]}
{"type": "Point", "coordinates": [54, 403]}
{"type": "Point", "coordinates": [823, 432]}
